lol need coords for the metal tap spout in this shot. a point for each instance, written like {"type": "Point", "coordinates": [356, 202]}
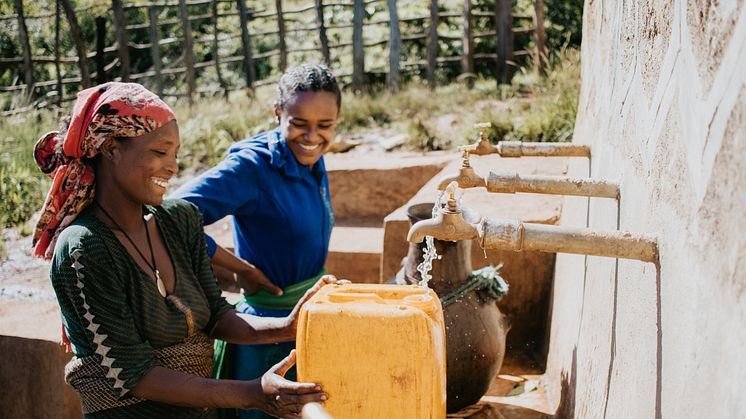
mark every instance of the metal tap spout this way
{"type": "Point", "coordinates": [466, 177]}
{"type": "Point", "coordinates": [448, 225]}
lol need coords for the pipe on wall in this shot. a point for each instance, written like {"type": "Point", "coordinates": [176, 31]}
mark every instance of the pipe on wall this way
{"type": "Point", "coordinates": [503, 234]}
{"type": "Point", "coordinates": [557, 185]}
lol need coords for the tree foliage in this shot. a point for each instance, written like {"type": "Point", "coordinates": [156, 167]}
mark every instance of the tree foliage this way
{"type": "Point", "coordinates": [563, 24]}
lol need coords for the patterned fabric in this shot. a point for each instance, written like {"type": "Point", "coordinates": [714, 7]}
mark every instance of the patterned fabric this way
{"type": "Point", "coordinates": [88, 377]}
{"type": "Point", "coordinates": [115, 316]}
{"type": "Point", "coordinates": [111, 110]}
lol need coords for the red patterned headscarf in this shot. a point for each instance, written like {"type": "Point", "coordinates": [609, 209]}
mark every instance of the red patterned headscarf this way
{"type": "Point", "coordinates": [111, 110]}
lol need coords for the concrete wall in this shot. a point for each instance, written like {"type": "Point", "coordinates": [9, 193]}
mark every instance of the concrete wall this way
{"type": "Point", "coordinates": [663, 106]}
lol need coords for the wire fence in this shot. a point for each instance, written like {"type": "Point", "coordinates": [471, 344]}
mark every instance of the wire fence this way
{"type": "Point", "coordinates": [365, 41]}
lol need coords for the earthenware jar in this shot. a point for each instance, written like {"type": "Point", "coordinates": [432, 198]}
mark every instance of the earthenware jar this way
{"type": "Point", "coordinates": [475, 327]}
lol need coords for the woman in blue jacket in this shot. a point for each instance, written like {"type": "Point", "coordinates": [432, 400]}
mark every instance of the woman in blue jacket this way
{"type": "Point", "coordinates": [276, 188]}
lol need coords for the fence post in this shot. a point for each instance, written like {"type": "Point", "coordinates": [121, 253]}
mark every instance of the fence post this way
{"type": "Point", "coordinates": [322, 31]}
{"type": "Point", "coordinates": [57, 12]}
{"type": "Point", "coordinates": [100, 45]}
{"type": "Point", "coordinates": [215, 47]}
{"type": "Point", "coordinates": [467, 60]}
{"type": "Point", "coordinates": [504, 25]}
{"type": "Point", "coordinates": [28, 71]}
{"type": "Point", "coordinates": [358, 52]}
{"type": "Point", "coordinates": [248, 65]}
{"type": "Point", "coordinates": [188, 49]}
{"type": "Point", "coordinates": [155, 48]}
{"type": "Point", "coordinates": [432, 44]}
{"type": "Point", "coordinates": [281, 30]}
{"type": "Point", "coordinates": [121, 36]}
{"type": "Point", "coordinates": [77, 36]}
{"type": "Point", "coordinates": [540, 57]}
{"type": "Point", "coordinates": [394, 47]}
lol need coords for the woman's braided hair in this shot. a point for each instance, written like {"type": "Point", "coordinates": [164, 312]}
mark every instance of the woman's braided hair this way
{"type": "Point", "coordinates": [307, 78]}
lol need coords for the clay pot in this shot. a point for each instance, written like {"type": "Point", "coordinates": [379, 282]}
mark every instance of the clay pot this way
{"type": "Point", "coordinates": [475, 327]}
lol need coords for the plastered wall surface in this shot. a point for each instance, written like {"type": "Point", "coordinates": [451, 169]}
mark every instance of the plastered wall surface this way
{"type": "Point", "coordinates": [663, 107]}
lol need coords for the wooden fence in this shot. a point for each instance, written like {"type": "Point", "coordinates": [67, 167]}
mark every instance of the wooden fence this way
{"type": "Point", "coordinates": [112, 62]}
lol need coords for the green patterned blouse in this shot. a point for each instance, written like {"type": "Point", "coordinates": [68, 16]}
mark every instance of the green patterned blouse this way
{"type": "Point", "coordinates": [112, 309]}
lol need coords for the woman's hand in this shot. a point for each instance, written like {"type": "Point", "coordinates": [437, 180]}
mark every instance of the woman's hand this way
{"type": "Point", "coordinates": [233, 272]}
{"type": "Point", "coordinates": [252, 279]}
{"type": "Point", "coordinates": [292, 318]}
{"type": "Point", "coordinates": [243, 328]}
{"type": "Point", "coordinates": [283, 398]}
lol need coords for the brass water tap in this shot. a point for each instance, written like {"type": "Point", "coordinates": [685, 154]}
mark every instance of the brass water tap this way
{"type": "Point", "coordinates": [482, 146]}
{"type": "Point", "coordinates": [448, 225]}
{"type": "Point", "coordinates": [467, 177]}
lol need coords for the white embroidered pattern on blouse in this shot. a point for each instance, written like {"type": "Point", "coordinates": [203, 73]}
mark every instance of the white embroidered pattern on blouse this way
{"type": "Point", "coordinates": [93, 327]}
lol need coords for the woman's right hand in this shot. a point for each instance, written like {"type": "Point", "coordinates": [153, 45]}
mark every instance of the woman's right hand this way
{"type": "Point", "coordinates": [284, 398]}
{"type": "Point", "coordinates": [292, 318]}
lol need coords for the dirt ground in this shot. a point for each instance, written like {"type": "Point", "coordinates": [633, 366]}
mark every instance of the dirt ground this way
{"type": "Point", "coordinates": [28, 306]}
{"type": "Point", "coordinates": [23, 277]}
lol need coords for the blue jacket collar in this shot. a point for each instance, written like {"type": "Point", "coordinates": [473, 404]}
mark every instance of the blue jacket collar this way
{"type": "Point", "coordinates": [282, 158]}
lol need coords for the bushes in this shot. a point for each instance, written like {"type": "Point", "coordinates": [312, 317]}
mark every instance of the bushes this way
{"type": "Point", "coordinates": [22, 194]}
{"type": "Point", "coordinates": [540, 109]}
{"type": "Point", "coordinates": [22, 184]}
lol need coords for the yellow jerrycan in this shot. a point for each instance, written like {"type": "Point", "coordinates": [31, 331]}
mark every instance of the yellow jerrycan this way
{"type": "Point", "coordinates": [378, 351]}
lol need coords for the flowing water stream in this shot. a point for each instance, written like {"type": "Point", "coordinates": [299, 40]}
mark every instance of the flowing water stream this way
{"type": "Point", "coordinates": [430, 254]}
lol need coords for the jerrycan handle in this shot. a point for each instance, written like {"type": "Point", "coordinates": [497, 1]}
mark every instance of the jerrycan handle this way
{"type": "Point", "coordinates": [349, 297]}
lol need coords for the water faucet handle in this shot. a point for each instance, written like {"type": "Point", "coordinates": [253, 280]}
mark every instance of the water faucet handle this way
{"type": "Point", "coordinates": [482, 126]}
{"type": "Point", "coordinates": [452, 201]}
{"type": "Point", "coordinates": [469, 148]}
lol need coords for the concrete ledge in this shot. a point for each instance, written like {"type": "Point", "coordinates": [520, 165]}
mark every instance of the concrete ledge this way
{"type": "Point", "coordinates": [375, 185]}
{"type": "Point", "coordinates": [355, 253]}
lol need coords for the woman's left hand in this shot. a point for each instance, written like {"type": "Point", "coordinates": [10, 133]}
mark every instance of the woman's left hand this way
{"type": "Point", "coordinates": [252, 279]}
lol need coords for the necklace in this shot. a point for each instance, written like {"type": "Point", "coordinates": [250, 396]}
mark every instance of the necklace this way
{"type": "Point", "coordinates": [153, 266]}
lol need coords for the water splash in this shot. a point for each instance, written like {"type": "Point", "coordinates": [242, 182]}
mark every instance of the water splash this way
{"type": "Point", "coordinates": [428, 257]}
{"type": "Point", "coordinates": [430, 253]}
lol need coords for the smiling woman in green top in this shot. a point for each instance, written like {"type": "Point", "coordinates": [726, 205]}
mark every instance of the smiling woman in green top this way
{"type": "Point", "coordinates": [139, 302]}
